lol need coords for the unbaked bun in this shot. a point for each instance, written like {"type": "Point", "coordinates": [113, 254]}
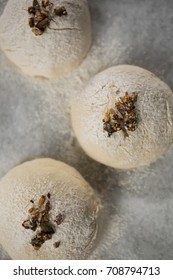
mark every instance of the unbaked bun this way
{"type": "Point", "coordinates": [123, 118]}
{"type": "Point", "coordinates": [61, 47]}
{"type": "Point", "coordinates": [70, 228]}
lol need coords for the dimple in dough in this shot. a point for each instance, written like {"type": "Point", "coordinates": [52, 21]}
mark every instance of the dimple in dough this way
{"type": "Point", "coordinates": [154, 133]}
{"type": "Point", "coordinates": [55, 52]}
{"type": "Point", "coordinates": [70, 195]}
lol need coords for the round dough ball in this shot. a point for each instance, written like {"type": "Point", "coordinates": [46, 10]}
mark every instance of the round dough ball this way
{"type": "Point", "coordinates": [62, 46]}
{"type": "Point", "coordinates": [106, 92]}
{"type": "Point", "coordinates": [73, 211]}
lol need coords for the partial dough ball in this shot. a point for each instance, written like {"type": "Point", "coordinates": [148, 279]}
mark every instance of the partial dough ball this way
{"type": "Point", "coordinates": [73, 211]}
{"type": "Point", "coordinates": [55, 52]}
{"type": "Point", "coordinates": [144, 132]}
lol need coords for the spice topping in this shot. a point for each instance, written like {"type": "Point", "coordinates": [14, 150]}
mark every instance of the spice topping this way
{"type": "Point", "coordinates": [124, 115]}
{"type": "Point", "coordinates": [41, 13]}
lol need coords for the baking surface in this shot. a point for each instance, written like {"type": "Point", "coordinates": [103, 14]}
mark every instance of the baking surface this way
{"type": "Point", "coordinates": [35, 122]}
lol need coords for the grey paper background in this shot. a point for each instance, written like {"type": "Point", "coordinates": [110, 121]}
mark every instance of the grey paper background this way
{"type": "Point", "coordinates": [35, 122]}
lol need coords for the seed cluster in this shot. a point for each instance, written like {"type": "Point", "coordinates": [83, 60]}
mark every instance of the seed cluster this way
{"type": "Point", "coordinates": [59, 219]}
{"type": "Point", "coordinates": [42, 14]}
{"type": "Point", "coordinates": [39, 222]}
{"type": "Point", "coordinates": [123, 116]}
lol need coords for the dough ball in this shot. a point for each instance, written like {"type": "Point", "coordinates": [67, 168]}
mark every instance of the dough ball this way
{"type": "Point", "coordinates": [55, 203]}
{"type": "Point", "coordinates": [61, 47]}
{"type": "Point", "coordinates": [123, 118]}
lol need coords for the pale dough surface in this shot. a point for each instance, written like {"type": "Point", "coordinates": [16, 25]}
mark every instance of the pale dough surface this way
{"type": "Point", "coordinates": [154, 133]}
{"type": "Point", "coordinates": [70, 195]}
{"type": "Point", "coordinates": [55, 52]}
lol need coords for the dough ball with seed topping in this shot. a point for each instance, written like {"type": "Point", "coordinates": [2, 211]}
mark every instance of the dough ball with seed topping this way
{"type": "Point", "coordinates": [48, 211]}
{"type": "Point", "coordinates": [60, 39]}
{"type": "Point", "coordinates": [124, 116]}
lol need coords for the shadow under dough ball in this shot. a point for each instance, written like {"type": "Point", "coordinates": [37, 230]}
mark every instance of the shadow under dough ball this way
{"type": "Point", "coordinates": [46, 38]}
{"type": "Point", "coordinates": [123, 118]}
{"type": "Point", "coordinates": [48, 211]}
